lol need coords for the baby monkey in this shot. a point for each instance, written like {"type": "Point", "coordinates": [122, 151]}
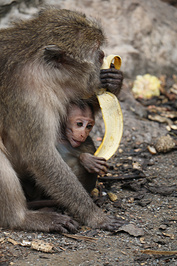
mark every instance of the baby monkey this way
{"type": "Point", "coordinates": [77, 148]}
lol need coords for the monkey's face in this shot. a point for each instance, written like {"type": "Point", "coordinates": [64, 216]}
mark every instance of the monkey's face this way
{"type": "Point", "coordinates": [79, 124]}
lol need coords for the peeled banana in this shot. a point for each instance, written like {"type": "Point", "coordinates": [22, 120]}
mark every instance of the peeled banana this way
{"type": "Point", "coordinates": [112, 115]}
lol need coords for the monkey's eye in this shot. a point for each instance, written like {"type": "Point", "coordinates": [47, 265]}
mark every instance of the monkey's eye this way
{"type": "Point", "coordinates": [89, 127]}
{"type": "Point", "coordinates": [79, 124]}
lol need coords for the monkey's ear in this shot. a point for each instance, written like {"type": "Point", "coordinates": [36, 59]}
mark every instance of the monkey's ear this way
{"type": "Point", "coordinates": [54, 53]}
{"type": "Point", "coordinates": [52, 49]}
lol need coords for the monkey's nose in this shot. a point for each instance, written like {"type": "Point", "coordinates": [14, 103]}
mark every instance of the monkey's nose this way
{"type": "Point", "coordinates": [83, 137]}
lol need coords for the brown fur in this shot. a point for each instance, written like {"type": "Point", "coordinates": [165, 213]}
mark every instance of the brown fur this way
{"type": "Point", "coordinates": [38, 199]}
{"type": "Point", "coordinates": [45, 63]}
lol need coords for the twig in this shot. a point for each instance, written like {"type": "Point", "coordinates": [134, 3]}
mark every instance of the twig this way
{"type": "Point", "coordinates": [78, 237]}
{"type": "Point", "coordinates": [159, 252]}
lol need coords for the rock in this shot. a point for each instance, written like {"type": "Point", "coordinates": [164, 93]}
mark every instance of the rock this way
{"type": "Point", "coordinates": [171, 2]}
{"type": "Point", "coordinates": [151, 149]}
{"type": "Point", "coordinates": [164, 144]}
{"type": "Point", "coordinates": [163, 227]}
{"type": "Point", "coordinates": [132, 229]}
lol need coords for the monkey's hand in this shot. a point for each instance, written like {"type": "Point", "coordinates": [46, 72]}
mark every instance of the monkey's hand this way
{"type": "Point", "coordinates": [111, 79]}
{"type": "Point", "coordinates": [93, 164]}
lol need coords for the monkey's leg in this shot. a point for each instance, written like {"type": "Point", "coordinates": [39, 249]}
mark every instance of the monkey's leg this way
{"type": "Point", "coordinates": [13, 211]}
{"type": "Point", "coordinates": [12, 200]}
{"type": "Point", "coordinates": [58, 181]}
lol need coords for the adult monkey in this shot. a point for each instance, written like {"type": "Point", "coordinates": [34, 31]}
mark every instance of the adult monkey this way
{"type": "Point", "coordinates": [45, 63]}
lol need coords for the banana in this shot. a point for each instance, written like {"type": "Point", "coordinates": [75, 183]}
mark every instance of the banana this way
{"type": "Point", "coordinates": [112, 115]}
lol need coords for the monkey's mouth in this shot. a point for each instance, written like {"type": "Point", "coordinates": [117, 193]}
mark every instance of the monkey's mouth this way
{"type": "Point", "coordinates": [76, 143]}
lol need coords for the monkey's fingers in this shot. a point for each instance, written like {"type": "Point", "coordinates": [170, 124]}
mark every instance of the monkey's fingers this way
{"type": "Point", "coordinates": [113, 78]}
{"type": "Point", "coordinates": [66, 224]}
{"type": "Point", "coordinates": [48, 221]}
{"type": "Point", "coordinates": [99, 165]}
{"type": "Point", "coordinates": [101, 170]}
{"type": "Point", "coordinates": [113, 87]}
{"type": "Point", "coordinates": [112, 223]}
{"type": "Point", "coordinates": [112, 73]}
{"type": "Point", "coordinates": [112, 116]}
{"type": "Point", "coordinates": [101, 161]}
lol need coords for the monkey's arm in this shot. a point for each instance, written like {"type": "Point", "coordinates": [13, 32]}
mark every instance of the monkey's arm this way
{"type": "Point", "coordinates": [93, 164]}
{"type": "Point", "coordinates": [84, 155]}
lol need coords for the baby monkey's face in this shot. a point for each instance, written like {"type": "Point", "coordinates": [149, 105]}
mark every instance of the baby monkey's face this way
{"type": "Point", "coordinates": [79, 124]}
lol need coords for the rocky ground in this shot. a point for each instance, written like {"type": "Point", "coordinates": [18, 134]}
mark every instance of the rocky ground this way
{"type": "Point", "coordinates": [144, 192]}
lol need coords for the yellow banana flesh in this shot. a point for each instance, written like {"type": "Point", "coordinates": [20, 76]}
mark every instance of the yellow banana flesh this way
{"type": "Point", "coordinates": [112, 115]}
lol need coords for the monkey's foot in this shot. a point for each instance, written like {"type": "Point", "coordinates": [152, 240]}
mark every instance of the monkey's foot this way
{"type": "Point", "coordinates": [112, 223]}
{"type": "Point", "coordinates": [49, 222]}
{"type": "Point", "coordinates": [105, 222]}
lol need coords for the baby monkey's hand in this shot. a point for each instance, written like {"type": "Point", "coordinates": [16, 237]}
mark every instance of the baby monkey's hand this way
{"type": "Point", "coordinates": [93, 164]}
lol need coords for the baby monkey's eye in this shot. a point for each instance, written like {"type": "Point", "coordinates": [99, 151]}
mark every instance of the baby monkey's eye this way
{"type": "Point", "coordinates": [89, 126]}
{"type": "Point", "coordinates": [79, 124]}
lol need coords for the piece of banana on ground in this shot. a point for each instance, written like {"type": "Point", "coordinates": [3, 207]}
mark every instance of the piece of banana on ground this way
{"type": "Point", "coordinates": [112, 115]}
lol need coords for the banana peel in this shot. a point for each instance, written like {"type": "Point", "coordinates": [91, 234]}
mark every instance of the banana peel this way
{"type": "Point", "coordinates": [112, 115]}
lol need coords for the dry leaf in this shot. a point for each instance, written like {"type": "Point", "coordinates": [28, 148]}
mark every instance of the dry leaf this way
{"type": "Point", "coordinates": [142, 240]}
{"type": "Point", "coordinates": [112, 196]}
{"type": "Point", "coordinates": [12, 241]}
{"type": "Point", "coordinates": [40, 245]}
{"type": "Point", "coordinates": [160, 119]}
{"type": "Point", "coordinates": [2, 240]}
{"type": "Point", "coordinates": [95, 192]}
{"type": "Point", "coordinates": [169, 235]}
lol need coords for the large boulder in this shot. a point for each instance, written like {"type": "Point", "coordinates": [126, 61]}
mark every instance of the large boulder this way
{"type": "Point", "coordinates": [142, 32]}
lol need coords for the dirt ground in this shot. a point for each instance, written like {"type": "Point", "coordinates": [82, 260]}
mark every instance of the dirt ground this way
{"type": "Point", "coordinates": [146, 189]}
